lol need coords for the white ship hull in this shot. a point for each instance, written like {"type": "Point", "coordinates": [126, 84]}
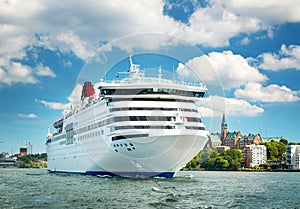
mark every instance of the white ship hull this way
{"type": "Point", "coordinates": [158, 156]}
{"type": "Point", "coordinates": [138, 127]}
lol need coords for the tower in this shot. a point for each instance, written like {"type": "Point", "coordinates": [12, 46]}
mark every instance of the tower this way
{"type": "Point", "coordinates": [223, 130]}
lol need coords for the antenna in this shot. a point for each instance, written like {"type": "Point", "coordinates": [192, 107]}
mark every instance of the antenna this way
{"type": "Point", "coordinates": [131, 64]}
{"type": "Point", "coordinates": [159, 72]}
{"type": "Point", "coordinates": [173, 74]}
{"type": "Point", "coordinates": [134, 69]}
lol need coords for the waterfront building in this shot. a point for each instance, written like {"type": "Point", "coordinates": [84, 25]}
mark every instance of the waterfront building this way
{"type": "Point", "coordinates": [293, 157]}
{"type": "Point", "coordinates": [6, 160]}
{"type": "Point", "coordinates": [247, 140]}
{"type": "Point", "coordinates": [255, 155]}
{"type": "Point", "coordinates": [269, 139]}
{"type": "Point", "coordinates": [232, 139]}
{"type": "Point", "coordinates": [23, 151]}
{"type": "Point", "coordinates": [222, 148]}
{"type": "Point", "coordinates": [215, 139]}
{"type": "Point", "coordinates": [4, 155]}
{"type": "Point", "coordinates": [236, 139]}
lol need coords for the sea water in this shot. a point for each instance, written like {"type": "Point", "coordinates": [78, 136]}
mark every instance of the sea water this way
{"type": "Point", "coordinates": [36, 188]}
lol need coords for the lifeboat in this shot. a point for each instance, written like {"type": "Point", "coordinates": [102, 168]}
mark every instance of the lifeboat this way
{"type": "Point", "coordinates": [58, 124]}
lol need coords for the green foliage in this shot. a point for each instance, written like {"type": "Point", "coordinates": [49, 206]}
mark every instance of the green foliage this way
{"type": "Point", "coordinates": [275, 150]}
{"type": "Point", "coordinates": [284, 141]}
{"type": "Point", "coordinates": [33, 161]}
{"type": "Point", "coordinates": [266, 165]}
{"type": "Point", "coordinates": [221, 163]}
{"type": "Point", "coordinates": [225, 160]}
{"type": "Point", "coordinates": [193, 163]}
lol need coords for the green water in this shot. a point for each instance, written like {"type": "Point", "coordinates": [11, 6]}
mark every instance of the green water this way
{"type": "Point", "coordinates": [35, 188]}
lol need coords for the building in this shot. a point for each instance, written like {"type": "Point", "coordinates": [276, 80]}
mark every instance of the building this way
{"type": "Point", "coordinates": [222, 148]}
{"type": "Point", "coordinates": [232, 139]}
{"type": "Point", "coordinates": [255, 155]}
{"type": "Point", "coordinates": [236, 139]}
{"type": "Point", "coordinates": [6, 160]}
{"type": "Point", "coordinates": [223, 130]}
{"type": "Point", "coordinates": [269, 139]}
{"type": "Point", "coordinates": [4, 155]}
{"type": "Point", "coordinates": [247, 140]}
{"type": "Point", "coordinates": [23, 151]}
{"type": "Point", "coordinates": [293, 157]}
{"type": "Point", "coordinates": [215, 140]}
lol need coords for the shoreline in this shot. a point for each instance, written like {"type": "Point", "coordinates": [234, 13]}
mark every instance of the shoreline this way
{"type": "Point", "coordinates": [246, 170]}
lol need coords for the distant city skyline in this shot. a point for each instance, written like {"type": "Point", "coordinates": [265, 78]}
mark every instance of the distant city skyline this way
{"type": "Point", "coordinates": [253, 47]}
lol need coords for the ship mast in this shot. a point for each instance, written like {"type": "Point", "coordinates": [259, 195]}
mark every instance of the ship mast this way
{"type": "Point", "coordinates": [134, 69]}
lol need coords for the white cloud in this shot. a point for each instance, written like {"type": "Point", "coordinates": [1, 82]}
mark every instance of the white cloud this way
{"type": "Point", "coordinates": [54, 105]}
{"type": "Point", "coordinates": [31, 115]}
{"type": "Point", "coordinates": [245, 41]}
{"type": "Point", "coordinates": [74, 99]}
{"type": "Point", "coordinates": [287, 58]}
{"type": "Point", "coordinates": [272, 93]}
{"type": "Point", "coordinates": [207, 26]}
{"type": "Point", "coordinates": [269, 11]}
{"type": "Point", "coordinates": [42, 70]}
{"type": "Point", "coordinates": [69, 42]}
{"type": "Point", "coordinates": [231, 69]}
{"type": "Point", "coordinates": [80, 28]}
{"type": "Point", "coordinates": [75, 96]}
{"type": "Point", "coordinates": [14, 72]}
{"type": "Point", "coordinates": [215, 106]}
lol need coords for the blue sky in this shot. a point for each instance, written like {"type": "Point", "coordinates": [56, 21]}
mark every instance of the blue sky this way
{"type": "Point", "coordinates": [253, 47]}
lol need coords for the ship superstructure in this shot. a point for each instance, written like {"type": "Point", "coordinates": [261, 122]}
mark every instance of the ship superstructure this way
{"type": "Point", "coordinates": [137, 126]}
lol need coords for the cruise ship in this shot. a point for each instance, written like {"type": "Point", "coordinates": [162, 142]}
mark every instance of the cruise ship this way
{"type": "Point", "coordinates": [137, 126]}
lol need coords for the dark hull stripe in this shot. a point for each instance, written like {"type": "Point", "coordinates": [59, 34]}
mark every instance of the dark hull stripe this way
{"type": "Point", "coordinates": [120, 174]}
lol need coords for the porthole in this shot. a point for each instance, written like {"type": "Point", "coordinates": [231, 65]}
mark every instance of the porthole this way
{"type": "Point", "coordinates": [125, 145]}
{"type": "Point", "coordinates": [116, 150]}
{"type": "Point", "coordinates": [131, 144]}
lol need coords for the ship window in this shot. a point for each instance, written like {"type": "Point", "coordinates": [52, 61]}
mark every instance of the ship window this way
{"type": "Point", "coordinates": [198, 94]}
{"type": "Point", "coordinates": [129, 149]}
{"type": "Point", "coordinates": [194, 128]}
{"type": "Point", "coordinates": [131, 144]}
{"type": "Point", "coordinates": [150, 108]}
{"type": "Point", "coordinates": [125, 145]}
{"type": "Point", "coordinates": [133, 118]}
{"type": "Point", "coordinates": [190, 119]}
{"type": "Point", "coordinates": [144, 127]}
{"type": "Point", "coordinates": [116, 150]}
{"type": "Point", "coordinates": [114, 138]}
{"type": "Point", "coordinates": [152, 99]}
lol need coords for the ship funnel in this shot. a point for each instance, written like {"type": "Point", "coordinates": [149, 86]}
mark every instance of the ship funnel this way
{"type": "Point", "coordinates": [87, 90]}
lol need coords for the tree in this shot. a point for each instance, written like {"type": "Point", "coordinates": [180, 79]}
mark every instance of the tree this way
{"type": "Point", "coordinates": [284, 141]}
{"type": "Point", "coordinates": [234, 158]}
{"type": "Point", "coordinates": [220, 163]}
{"type": "Point", "coordinates": [193, 163]}
{"type": "Point", "coordinates": [275, 150]}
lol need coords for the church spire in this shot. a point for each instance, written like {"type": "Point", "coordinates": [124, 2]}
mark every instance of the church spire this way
{"type": "Point", "coordinates": [223, 129]}
{"type": "Point", "coordinates": [224, 123]}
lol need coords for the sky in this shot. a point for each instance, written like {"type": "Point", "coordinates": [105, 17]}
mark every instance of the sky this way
{"type": "Point", "coordinates": [252, 47]}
